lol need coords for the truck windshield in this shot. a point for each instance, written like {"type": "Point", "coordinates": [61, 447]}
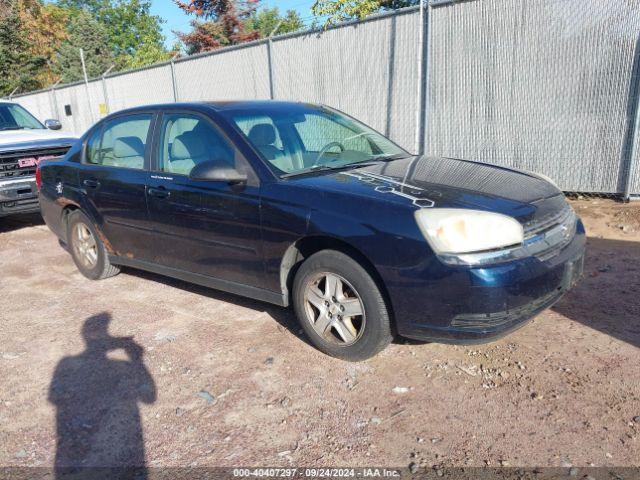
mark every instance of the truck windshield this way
{"type": "Point", "coordinates": [306, 138]}
{"type": "Point", "coordinates": [14, 117]}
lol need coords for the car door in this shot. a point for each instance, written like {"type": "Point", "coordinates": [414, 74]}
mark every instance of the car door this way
{"type": "Point", "coordinates": [114, 175]}
{"type": "Point", "coordinates": [204, 227]}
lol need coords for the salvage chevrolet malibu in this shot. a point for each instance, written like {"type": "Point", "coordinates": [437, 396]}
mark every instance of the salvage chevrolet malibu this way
{"type": "Point", "coordinates": [299, 204]}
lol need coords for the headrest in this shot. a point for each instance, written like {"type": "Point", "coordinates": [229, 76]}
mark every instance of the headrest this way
{"type": "Point", "coordinates": [189, 145]}
{"type": "Point", "coordinates": [262, 134]}
{"type": "Point", "coordinates": [125, 147]}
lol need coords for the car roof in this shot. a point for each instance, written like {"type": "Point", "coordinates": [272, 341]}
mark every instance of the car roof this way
{"type": "Point", "coordinates": [224, 105]}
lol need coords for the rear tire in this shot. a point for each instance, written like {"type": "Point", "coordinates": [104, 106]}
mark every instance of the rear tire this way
{"type": "Point", "coordinates": [87, 248]}
{"type": "Point", "coordinates": [340, 307]}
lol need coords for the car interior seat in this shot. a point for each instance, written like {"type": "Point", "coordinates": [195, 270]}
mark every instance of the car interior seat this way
{"type": "Point", "coordinates": [263, 137]}
{"type": "Point", "coordinates": [187, 150]}
{"type": "Point", "coordinates": [127, 152]}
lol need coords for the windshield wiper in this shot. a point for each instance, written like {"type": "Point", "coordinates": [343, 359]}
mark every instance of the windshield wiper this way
{"type": "Point", "coordinates": [324, 168]}
{"type": "Point", "coordinates": [17, 127]}
{"type": "Point", "coordinates": [390, 156]}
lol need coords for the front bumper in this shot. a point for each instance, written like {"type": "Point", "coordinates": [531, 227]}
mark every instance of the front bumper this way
{"type": "Point", "coordinates": [478, 305]}
{"type": "Point", "coordinates": [19, 195]}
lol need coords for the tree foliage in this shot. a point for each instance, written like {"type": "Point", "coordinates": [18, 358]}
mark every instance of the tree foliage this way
{"type": "Point", "coordinates": [86, 33]}
{"type": "Point", "coordinates": [337, 11]}
{"type": "Point", "coordinates": [220, 23]}
{"type": "Point", "coordinates": [268, 21]}
{"type": "Point", "coordinates": [20, 64]}
{"type": "Point", "coordinates": [134, 34]}
{"type": "Point", "coordinates": [46, 27]}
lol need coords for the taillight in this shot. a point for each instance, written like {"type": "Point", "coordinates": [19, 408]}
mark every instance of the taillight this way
{"type": "Point", "coordinates": [38, 177]}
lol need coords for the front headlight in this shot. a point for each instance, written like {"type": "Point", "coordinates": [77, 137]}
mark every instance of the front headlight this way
{"type": "Point", "coordinates": [459, 231]}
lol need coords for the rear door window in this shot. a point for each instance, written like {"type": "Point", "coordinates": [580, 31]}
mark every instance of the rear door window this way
{"type": "Point", "coordinates": [121, 142]}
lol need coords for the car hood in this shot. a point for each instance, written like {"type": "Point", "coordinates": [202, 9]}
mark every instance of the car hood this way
{"type": "Point", "coordinates": [445, 182]}
{"type": "Point", "coordinates": [23, 139]}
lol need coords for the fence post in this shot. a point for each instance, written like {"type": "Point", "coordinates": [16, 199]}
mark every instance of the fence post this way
{"type": "Point", "coordinates": [105, 94]}
{"type": "Point", "coordinates": [629, 151]}
{"type": "Point", "coordinates": [55, 100]}
{"type": "Point", "coordinates": [391, 73]}
{"type": "Point", "coordinates": [270, 64]}
{"type": "Point", "coordinates": [272, 88]}
{"type": "Point", "coordinates": [86, 85]}
{"type": "Point", "coordinates": [422, 78]}
{"type": "Point", "coordinates": [13, 93]}
{"type": "Point", "coordinates": [174, 80]}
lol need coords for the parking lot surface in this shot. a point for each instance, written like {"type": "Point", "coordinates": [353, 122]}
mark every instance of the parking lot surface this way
{"type": "Point", "coordinates": [140, 368]}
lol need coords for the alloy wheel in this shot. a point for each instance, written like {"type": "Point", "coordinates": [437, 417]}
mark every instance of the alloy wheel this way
{"type": "Point", "coordinates": [85, 246]}
{"type": "Point", "coordinates": [334, 309]}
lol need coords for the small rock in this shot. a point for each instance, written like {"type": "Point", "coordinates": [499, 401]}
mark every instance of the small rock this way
{"type": "Point", "coordinates": [376, 420]}
{"type": "Point", "coordinates": [573, 472]}
{"type": "Point", "coordinates": [207, 396]}
{"type": "Point", "coordinates": [165, 337]}
{"type": "Point", "coordinates": [420, 440]}
{"type": "Point", "coordinates": [251, 349]}
{"type": "Point", "coordinates": [436, 440]}
{"type": "Point", "coordinates": [269, 361]}
{"type": "Point", "coordinates": [413, 467]}
{"type": "Point", "coordinates": [285, 402]}
{"type": "Point", "coordinates": [440, 472]}
{"type": "Point", "coordinates": [636, 419]}
{"type": "Point", "coordinates": [504, 463]}
{"type": "Point", "coordinates": [536, 396]}
{"type": "Point", "coordinates": [608, 455]}
{"type": "Point", "coordinates": [180, 411]}
{"type": "Point", "coordinates": [21, 454]}
{"type": "Point", "coordinates": [604, 268]}
{"type": "Point", "coordinates": [400, 390]}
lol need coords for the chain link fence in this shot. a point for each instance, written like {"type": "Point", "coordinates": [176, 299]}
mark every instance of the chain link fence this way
{"type": "Point", "coordinates": [549, 86]}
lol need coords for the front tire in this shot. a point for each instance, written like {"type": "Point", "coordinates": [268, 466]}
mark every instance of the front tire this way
{"type": "Point", "coordinates": [340, 307]}
{"type": "Point", "coordinates": [87, 249]}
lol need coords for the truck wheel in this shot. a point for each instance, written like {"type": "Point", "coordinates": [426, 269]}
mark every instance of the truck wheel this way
{"type": "Point", "coordinates": [340, 307]}
{"type": "Point", "coordinates": [87, 249]}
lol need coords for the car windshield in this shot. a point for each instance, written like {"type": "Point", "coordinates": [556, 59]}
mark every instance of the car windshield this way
{"type": "Point", "coordinates": [304, 138]}
{"type": "Point", "coordinates": [14, 117]}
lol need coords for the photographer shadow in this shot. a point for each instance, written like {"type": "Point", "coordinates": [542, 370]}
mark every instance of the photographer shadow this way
{"type": "Point", "coordinates": [96, 397]}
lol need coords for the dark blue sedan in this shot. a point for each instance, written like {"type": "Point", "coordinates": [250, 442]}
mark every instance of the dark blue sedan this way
{"type": "Point", "coordinates": [299, 204]}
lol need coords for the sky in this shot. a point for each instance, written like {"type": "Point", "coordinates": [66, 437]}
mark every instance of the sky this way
{"type": "Point", "coordinates": [176, 19]}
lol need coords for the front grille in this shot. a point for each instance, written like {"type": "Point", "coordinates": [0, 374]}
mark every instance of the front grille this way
{"type": "Point", "coordinates": [547, 237]}
{"type": "Point", "coordinates": [12, 167]}
{"type": "Point", "coordinates": [547, 222]}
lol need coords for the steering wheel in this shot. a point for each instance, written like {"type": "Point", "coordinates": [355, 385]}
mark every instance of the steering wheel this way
{"type": "Point", "coordinates": [325, 149]}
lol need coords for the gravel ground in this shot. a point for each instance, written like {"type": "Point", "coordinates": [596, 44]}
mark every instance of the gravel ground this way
{"type": "Point", "coordinates": [139, 368]}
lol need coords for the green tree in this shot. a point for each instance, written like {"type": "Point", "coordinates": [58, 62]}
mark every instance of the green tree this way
{"type": "Point", "coordinates": [267, 20]}
{"type": "Point", "coordinates": [337, 11]}
{"type": "Point", "coordinates": [87, 33]}
{"type": "Point", "coordinates": [134, 34]}
{"type": "Point", "coordinates": [20, 67]}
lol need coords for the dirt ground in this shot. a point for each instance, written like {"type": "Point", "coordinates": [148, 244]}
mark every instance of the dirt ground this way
{"type": "Point", "coordinates": [141, 368]}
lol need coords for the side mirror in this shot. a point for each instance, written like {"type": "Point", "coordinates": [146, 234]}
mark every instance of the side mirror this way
{"type": "Point", "coordinates": [52, 124]}
{"type": "Point", "coordinates": [213, 172]}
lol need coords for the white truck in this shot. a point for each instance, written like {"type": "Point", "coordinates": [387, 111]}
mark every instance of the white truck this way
{"type": "Point", "coordinates": [24, 142]}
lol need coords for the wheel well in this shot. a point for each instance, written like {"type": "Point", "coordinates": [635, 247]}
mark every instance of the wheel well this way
{"type": "Point", "coordinates": [68, 210]}
{"type": "Point", "coordinates": [305, 247]}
